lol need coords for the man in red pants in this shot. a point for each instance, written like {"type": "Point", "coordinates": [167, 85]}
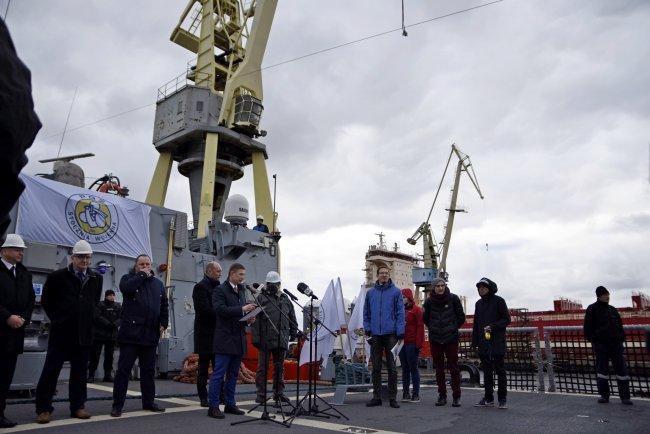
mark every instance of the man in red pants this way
{"type": "Point", "coordinates": [443, 316]}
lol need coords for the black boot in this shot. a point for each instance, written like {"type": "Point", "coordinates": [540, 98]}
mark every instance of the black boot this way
{"type": "Point", "coordinates": [442, 400]}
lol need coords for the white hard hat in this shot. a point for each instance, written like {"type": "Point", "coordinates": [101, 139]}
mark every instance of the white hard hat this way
{"type": "Point", "coordinates": [272, 277]}
{"type": "Point", "coordinates": [260, 217]}
{"type": "Point", "coordinates": [82, 247]}
{"type": "Point", "coordinates": [14, 240]}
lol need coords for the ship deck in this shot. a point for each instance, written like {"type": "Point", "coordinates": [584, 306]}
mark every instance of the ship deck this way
{"type": "Point", "coordinates": [528, 412]}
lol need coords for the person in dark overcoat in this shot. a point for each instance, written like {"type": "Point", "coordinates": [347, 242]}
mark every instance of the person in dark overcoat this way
{"type": "Point", "coordinates": [70, 297]}
{"type": "Point", "coordinates": [16, 305]}
{"type": "Point", "coordinates": [204, 321]}
{"type": "Point", "coordinates": [229, 301]}
{"type": "Point", "coordinates": [145, 316]}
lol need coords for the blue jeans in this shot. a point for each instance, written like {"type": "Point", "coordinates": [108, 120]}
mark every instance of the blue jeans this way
{"type": "Point", "coordinates": [408, 357]}
{"type": "Point", "coordinates": [224, 365]}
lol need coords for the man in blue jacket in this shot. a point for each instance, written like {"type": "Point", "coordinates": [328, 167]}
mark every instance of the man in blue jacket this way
{"type": "Point", "coordinates": [144, 317]}
{"type": "Point", "coordinates": [383, 322]}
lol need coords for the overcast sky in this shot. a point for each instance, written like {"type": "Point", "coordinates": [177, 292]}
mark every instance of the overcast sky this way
{"type": "Point", "coordinates": [549, 98]}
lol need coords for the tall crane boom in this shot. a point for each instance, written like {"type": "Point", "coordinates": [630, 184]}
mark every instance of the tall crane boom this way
{"type": "Point", "coordinates": [431, 249]}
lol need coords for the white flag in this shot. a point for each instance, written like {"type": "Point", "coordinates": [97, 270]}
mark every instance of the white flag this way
{"type": "Point", "coordinates": [55, 213]}
{"type": "Point", "coordinates": [329, 316]}
{"type": "Point", "coordinates": [346, 344]}
{"type": "Point", "coordinates": [355, 326]}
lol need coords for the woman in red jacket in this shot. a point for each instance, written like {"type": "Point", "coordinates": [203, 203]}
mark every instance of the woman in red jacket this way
{"type": "Point", "coordinates": [410, 353]}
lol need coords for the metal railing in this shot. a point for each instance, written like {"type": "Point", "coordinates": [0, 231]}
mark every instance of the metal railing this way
{"type": "Point", "coordinates": [523, 358]}
{"type": "Point", "coordinates": [571, 366]}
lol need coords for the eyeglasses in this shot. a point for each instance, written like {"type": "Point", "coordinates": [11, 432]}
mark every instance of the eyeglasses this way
{"type": "Point", "coordinates": [85, 257]}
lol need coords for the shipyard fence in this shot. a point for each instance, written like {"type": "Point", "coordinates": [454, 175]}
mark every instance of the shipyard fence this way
{"type": "Point", "coordinates": [571, 365]}
{"type": "Point", "coordinates": [523, 358]}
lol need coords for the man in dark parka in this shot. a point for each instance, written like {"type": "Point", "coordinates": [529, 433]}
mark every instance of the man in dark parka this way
{"type": "Point", "coordinates": [491, 317]}
{"type": "Point", "coordinates": [145, 317]}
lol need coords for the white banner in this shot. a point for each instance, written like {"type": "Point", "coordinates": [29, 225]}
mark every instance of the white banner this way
{"type": "Point", "coordinates": [56, 213]}
{"type": "Point", "coordinates": [355, 326]}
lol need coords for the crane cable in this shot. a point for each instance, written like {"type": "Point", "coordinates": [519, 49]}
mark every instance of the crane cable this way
{"type": "Point", "coordinates": [404, 32]}
{"type": "Point", "coordinates": [440, 185]}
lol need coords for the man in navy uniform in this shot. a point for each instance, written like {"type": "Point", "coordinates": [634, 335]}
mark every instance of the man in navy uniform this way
{"type": "Point", "coordinates": [70, 297]}
{"type": "Point", "coordinates": [229, 302]}
{"type": "Point", "coordinates": [16, 304]}
{"type": "Point", "coordinates": [145, 317]}
{"type": "Point", "coordinates": [107, 320]}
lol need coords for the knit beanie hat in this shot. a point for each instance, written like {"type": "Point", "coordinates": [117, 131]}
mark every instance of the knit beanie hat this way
{"type": "Point", "coordinates": [109, 292]}
{"type": "Point", "coordinates": [601, 290]}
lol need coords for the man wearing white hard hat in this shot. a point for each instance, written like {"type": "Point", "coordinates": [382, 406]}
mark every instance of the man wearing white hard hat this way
{"type": "Point", "coordinates": [273, 340]}
{"type": "Point", "coordinates": [69, 298]}
{"type": "Point", "coordinates": [16, 304]}
{"type": "Point", "coordinates": [260, 226]}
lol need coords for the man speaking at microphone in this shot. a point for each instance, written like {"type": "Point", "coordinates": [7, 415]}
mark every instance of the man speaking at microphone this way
{"type": "Point", "coordinates": [273, 340]}
{"type": "Point", "coordinates": [229, 301]}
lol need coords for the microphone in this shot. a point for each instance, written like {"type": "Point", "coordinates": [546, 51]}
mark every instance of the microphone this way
{"type": "Point", "coordinates": [253, 289]}
{"type": "Point", "coordinates": [304, 289]}
{"type": "Point", "coordinates": [293, 297]}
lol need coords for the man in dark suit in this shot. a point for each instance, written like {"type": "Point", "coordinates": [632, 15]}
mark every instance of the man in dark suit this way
{"type": "Point", "coordinates": [16, 304]}
{"type": "Point", "coordinates": [145, 317]}
{"type": "Point", "coordinates": [70, 296]}
{"type": "Point", "coordinates": [107, 320]}
{"type": "Point", "coordinates": [229, 302]}
{"type": "Point", "coordinates": [204, 319]}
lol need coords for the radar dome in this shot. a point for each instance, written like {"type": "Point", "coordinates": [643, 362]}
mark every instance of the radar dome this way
{"type": "Point", "coordinates": [236, 212]}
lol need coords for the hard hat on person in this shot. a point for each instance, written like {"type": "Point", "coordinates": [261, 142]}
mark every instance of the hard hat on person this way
{"type": "Point", "coordinates": [272, 277]}
{"type": "Point", "coordinates": [14, 240]}
{"type": "Point", "coordinates": [260, 217]}
{"type": "Point", "coordinates": [82, 247]}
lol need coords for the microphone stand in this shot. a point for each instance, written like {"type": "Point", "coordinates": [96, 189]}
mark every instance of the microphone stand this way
{"type": "Point", "coordinates": [312, 395]}
{"type": "Point", "coordinates": [265, 414]}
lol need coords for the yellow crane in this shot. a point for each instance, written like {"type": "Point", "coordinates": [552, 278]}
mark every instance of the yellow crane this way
{"type": "Point", "coordinates": [431, 249]}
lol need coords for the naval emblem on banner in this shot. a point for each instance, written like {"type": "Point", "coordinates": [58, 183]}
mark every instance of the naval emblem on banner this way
{"type": "Point", "coordinates": [91, 217]}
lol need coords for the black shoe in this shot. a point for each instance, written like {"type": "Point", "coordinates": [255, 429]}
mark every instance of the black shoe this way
{"type": "Point", "coordinates": [485, 403]}
{"type": "Point", "coordinates": [155, 408]}
{"type": "Point", "coordinates": [374, 402]}
{"type": "Point", "coordinates": [406, 396]}
{"type": "Point", "coordinates": [6, 423]}
{"type": "Point", "coordinates": [91, 378]}
{"type": "Point", "coordinates": [626, 402]}
{"type": "Point", "coordinates": [108, 379]}
{"type": "Point", "coordinates": [116, 412]}
{"type": "Point", "coordinates": [503, 404]}
{"type": "Point", "coordinates": [259, 399]}
{"type": "Point", "coordinates": [442, 400]}
{"type": "Point", "coordinates": [232, 409]}
{"type": "Point", "coordinates": [283, 398]}
{"type": "Point", "coordinates": [393, 403]}
{"type": "Point", "coordinates": [216, 413]}
{"type": "Point", "coordinates": [415, 398]}
{"type": "Point", "coordinates": [456, 402]}
{"type": "Point", "coordinates": [204, 403]}
{"type": "Point", "coordinates": [603, 400]}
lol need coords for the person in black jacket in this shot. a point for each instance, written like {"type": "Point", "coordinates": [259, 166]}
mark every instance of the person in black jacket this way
{"type": "Point", "coordinates": [273, 340]}
{"type": "Point", "coordinates": [604, 329]}
{"type": "Point", "coordinates": [18, 124]}
{"type": "Point", "coordinates": [69, 298]}
{"type": "Point", "coordinates": [16, 305]}
{"type": "Point", "coordinates": [229, 301]}
{"type": "Point", "coordinates": [443, 316]}
{"type": "Point", "coordinates": [107, 320]}
{"type": "Point", "coordinates": [491, 317]}
{"type": "Point", "coordinates": [204, 320]}
{"type": "Point", "coordinates": [145, 317]}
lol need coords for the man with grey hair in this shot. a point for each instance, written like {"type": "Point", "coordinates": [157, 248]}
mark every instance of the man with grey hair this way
{"type": "Point", "coordinates": [204, 321]}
